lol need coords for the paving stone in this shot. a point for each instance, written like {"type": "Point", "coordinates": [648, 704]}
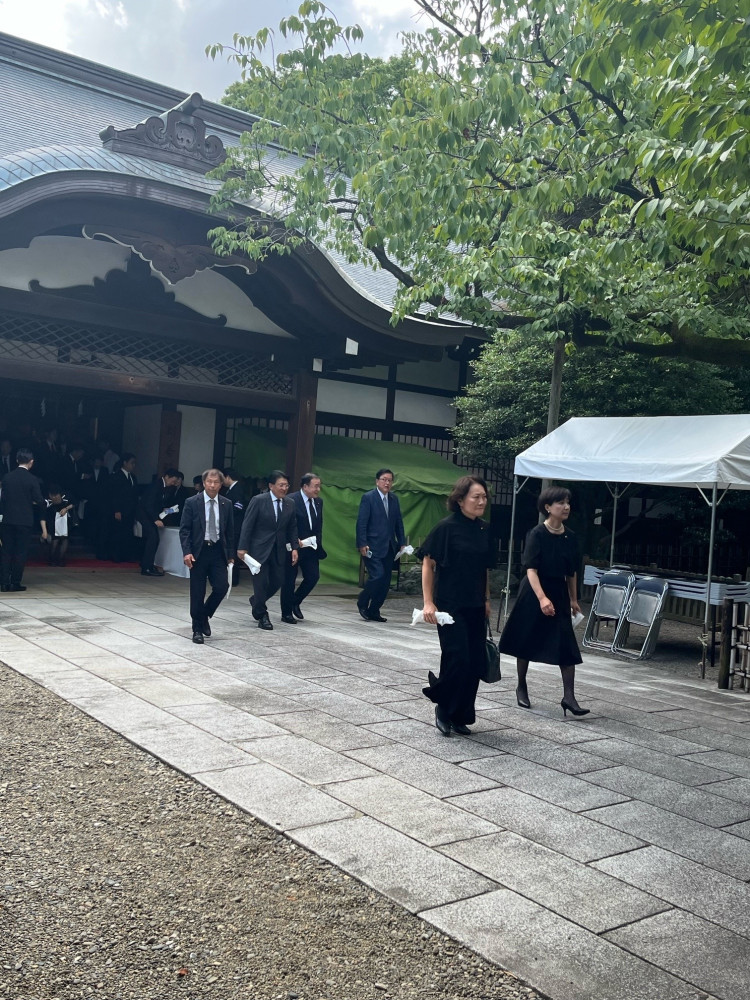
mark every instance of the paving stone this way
{"type": "Point", "coordinates": [540, 725]}
{"type": "Point", "coordinates": [227, 722]}
{"type": "Point", "coordinates": [554, 955]}
{"type": "Point", "coordinates": [737, 789]}
{"type": "Point", "coordinates": [573, 890]}
{"type": "Point", "coordinates": [675, 745]}
{"type": "Point", "coordinates": [163, 692]}
{"type": "Point", "coordinates": [431, 775]}
{"type": "Point", "coordinates": [188, 749]}
{"type": "Point", "coordinates": [423, 817]}
{"type": "Point", "coordinates": [683, 836]}
{"type": "Point", "coordinates": [409, 873]}
{"type": "Point", "coordinates": [352, 710]}
{"type": "Point", "coordinates": [569, 833]}
{"type": "Point", "coordinates": [427, 738]}
{"type": "Point", "coordinates": [319, 727]}
{"type": "Point", "coordinates": [575, 794]}
{"type": "Point", "coordinates": [714, 723]}
{"type": "Point", "coordinates": [730, 763]}
{"type": "Point", "coordinates": [257, 700]}
{"type": "Point", "coordinates": [124, 712]}
{"type": "Point", "coordinates": [659, 722]}
{"type": "Point", "coordinates": [569, 760]}
{"type": "Point", "coordinates": [687, 772]}
{"type": "Point", "coordinates": [309, 761]}
{"type": "Point", "coordinates": [360, 687]}
{"type": "Point", "coordinates": [690, 886]}
{"type": "Point", "coordinates": [684, 800]}
{"type": "Point", "coordinates": [275, 797]}
{"type": "Point", "coordinates": [705, 955]}
{"type": "Point", "coordinates": [731, 742]}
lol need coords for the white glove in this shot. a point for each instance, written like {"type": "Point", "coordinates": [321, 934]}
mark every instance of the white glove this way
{"type": "Point", "coordinates": [443, 618]}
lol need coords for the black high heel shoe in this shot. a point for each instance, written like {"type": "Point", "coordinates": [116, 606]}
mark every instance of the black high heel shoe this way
{"type": "Point", "coordinates": [567, 707]}
{"type": "Point", "coordinates": [522, 699]}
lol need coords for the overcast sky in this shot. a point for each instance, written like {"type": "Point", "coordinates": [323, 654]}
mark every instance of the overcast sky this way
{"type": "Point", "coordinates": [164, 40]}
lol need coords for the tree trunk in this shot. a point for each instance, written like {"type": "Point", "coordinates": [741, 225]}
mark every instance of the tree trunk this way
{"type": "Point", "coordinates": [555, 390]}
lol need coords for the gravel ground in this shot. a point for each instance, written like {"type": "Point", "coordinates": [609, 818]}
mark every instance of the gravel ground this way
{"type": "Point", "coordinates": [122, 879]}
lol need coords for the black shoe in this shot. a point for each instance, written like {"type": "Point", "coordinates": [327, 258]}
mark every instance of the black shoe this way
{"type": "Point", "coordinates": [575, 708]}
{"type": "Point", "coordinates": [522, 697]}
{"type": "Point", "coordinates": [206, 629]}
{"type": "Point", "coordinates": [459, 727]}
{"type": "Point", "coordinates": [289, 619]}
{"type": "Point", "coordinates": [198, 638]}
{"type": "Point", "coordinates": [265, 623]}
{"type": "Point", "coordinates": [443, 726]}
{"type": "Point", "coordinates": [4, 587]}
{"type": "Point", "coordinates": [297, 611]}
{"type": "Point", "coordinates": [363, 614]}
{"type": "Point", "coordinates": [16, 586]}
{"type": "Point", "coordinates": [151, 572]}
{"type": "Point", "coordinates": [377, 617]}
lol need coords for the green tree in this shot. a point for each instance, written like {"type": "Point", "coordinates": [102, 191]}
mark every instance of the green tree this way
{"type": "Point", "coordinates": [504, 409]}
{"type": "Point", "coordinates": [565, 169]}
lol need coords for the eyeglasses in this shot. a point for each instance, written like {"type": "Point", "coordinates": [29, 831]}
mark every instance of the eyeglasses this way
{"type": "Point", "coordinates": [385, 479]}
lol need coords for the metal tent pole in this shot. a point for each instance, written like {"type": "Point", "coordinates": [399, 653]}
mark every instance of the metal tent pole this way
{"type": "Point", "coordinates": [708, 580]}
{"type": "Point", "coordinates": [516, 490]}
{"type": "Point", "coordinates": [615, 496]}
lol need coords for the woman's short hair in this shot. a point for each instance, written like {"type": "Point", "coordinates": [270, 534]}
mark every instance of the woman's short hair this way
{"type": "Point", "coordinates": [553, 494]}
{"type": "Point", "coordinates": [461, 487]}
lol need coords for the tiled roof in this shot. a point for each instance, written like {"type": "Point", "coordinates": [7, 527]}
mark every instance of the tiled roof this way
{"type": "Point", "coordinates": [54, 110]}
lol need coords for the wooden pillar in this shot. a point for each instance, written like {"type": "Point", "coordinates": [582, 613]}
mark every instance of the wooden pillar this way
{"type": "Point", "coordinates": [299, 448]}
{"type": "Point", "coordinates": [169, 439]}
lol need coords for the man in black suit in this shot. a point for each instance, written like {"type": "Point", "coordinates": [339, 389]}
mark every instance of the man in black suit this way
{"type": "Point", "coordinates": [268, 528]}
{"type": "Point", "coordinates": [309, 510]}
{"type": "Point", "coordinates": [380, 535]}
{"type": "Point", "coordinates": [123, 500]}
{"type": "Point", "coordinates": [150, 505]}
{"type": "Point", "coordinates": [235, 494]}
{"type": "Point", "coordinates": [20, 495]}
{"type": "Point", "coordinates": [207, 540]}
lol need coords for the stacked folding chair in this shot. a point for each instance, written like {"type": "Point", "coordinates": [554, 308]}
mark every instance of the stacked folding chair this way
{"type": "Point", "coordinates": [611, 597]}
{"type": "Point", "coordinates": [644, 608]}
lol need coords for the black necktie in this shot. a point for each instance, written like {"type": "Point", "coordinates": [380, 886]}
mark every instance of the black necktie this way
{"type": "Point", "coordinates": [278, 508]}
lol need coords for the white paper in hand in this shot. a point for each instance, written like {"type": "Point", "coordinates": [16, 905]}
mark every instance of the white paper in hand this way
{"type": "Point", "coordinates": [251, 564]}
{"type": "Point", "coordinates": [576, 619]}
{"type": "Point", "coordinates": [229, 579]}
{"type": "Point", "coordinates": [405, 550]}
{"type": "Point", "coordinates": [443, 618]}
{"type": "Point", "coordinates": [308, 543]}
{"type": "Point", "coordinates": [61, 525]}
{"type": "Point", "coordinates": [169, 510]}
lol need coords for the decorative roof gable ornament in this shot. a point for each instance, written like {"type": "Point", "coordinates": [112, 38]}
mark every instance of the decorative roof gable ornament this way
{"type": "Point", "coordinates": [178, 137]}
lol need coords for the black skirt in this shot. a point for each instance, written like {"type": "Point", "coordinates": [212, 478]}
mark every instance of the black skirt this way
{"type": "Point", "coordinates": [531, 635]}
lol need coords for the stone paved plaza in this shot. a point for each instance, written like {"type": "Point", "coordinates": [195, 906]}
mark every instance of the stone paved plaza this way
{"type": "Point", "coordinates": [606, 857]}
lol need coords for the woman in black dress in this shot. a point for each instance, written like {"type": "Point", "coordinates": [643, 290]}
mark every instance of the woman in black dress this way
{"type": "Point", "coordinates": [456, 557]}
{"type": "Point", "coordinates": [540, 628]}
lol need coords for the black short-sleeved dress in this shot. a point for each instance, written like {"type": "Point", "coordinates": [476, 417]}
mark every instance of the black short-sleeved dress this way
{"type": "Point", "coordinates": [463, 552]}
{"type": "Point", "coordinates": [529, 634]}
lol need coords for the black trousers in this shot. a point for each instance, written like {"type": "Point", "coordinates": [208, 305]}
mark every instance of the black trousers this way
{"type": "Point", "coordinates": [211, 566]}
{"type": "Point", "coordinates": [378, 583]}
{"type": "Point", "coordinates": [15, 552]}
{"type": "Point", "coordinates": [150, 544]}
{"type": "Point", "coordinates": [462, 658]}
{"type": "Point", "coordinates": [122, 540]}
{"type": "Point", "coordinates": [265, 584]}
{"type": "Point", "coordinates": [309, 564]}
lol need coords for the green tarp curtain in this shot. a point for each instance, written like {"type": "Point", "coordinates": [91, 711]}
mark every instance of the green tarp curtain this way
{"type": "Point", "coordinates": [347, 468]}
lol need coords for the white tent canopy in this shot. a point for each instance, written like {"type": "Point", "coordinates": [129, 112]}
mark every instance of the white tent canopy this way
{"type": "Point", "coordinates": [667, 451]}
{"type": "Point", "coordinates": [710, 453]}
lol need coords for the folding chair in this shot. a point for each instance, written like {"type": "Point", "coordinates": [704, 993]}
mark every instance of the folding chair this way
{"type": "Point", "coordinates": [612, 593]}
{"type": "Point", "coordinates": [644, 608]}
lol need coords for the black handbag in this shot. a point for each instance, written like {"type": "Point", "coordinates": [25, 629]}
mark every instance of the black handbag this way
{"type": "Point", "coordinates": [491, 672]}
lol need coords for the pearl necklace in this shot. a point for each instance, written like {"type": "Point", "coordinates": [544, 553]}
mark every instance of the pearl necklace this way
{"type": "Point", "coordinates": [555, 531]}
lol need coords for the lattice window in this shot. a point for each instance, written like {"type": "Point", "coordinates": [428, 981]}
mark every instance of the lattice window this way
{"type": "Point", "coordinates": [27, 338]}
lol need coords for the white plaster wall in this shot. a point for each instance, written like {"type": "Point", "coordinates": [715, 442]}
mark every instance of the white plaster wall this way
{"type": "Point", "coordinates": [416, 408]}
{"type": "Point", "coordinates": [196, 440]}
{"type": "Point", "coordinates": [60, 262]}
{"type": "Point", "coordinates": [354, 400]}
{"type": "Point", "coordinates": [141, 431]}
